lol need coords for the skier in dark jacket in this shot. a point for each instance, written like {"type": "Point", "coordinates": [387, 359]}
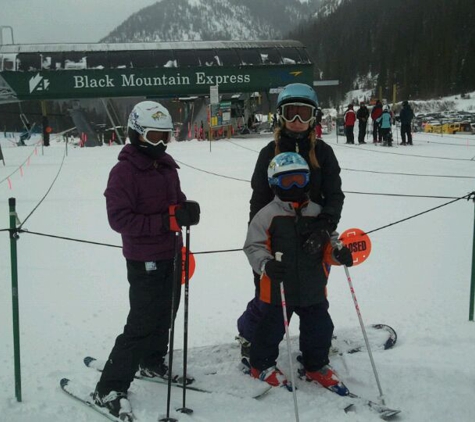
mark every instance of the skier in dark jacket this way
{"type": "Point", "coordinates": [296, 106]}
{"type": "Point", "coordinates": [146, 206]}
{"type": "Point", "coordinates": [281, 226]}
{"type": "Point", "coordinates": [406, 115]}
{"type": "Point", "coordinates": [375, 115]}
{"type": "Point", "coordinates": [362, 115]}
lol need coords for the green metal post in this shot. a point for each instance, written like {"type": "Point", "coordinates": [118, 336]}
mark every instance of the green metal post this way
{"type": "Point", "coordinates": [472, 285]}
{"type": "Point", "coordinates": [15, 307]}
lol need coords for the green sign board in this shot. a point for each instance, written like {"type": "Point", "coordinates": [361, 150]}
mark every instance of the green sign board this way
{"type": "Point", "coordinates": [156, 82]}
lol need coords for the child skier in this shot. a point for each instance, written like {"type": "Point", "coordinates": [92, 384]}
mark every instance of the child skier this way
{"type": "Point", "coordinates": [281, 226]}
{"type": "Point", "coordinates": [385, 122]}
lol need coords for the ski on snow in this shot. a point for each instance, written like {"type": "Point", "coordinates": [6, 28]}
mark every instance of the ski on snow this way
{"type": "Point", "coordinates": [82, 394]}
{"type": "Point", "coordinates": [257, 389]}
{"type": "Point", "coordinates": [212, 381]}
{"type": "Point", "coordinates": [383, 411]}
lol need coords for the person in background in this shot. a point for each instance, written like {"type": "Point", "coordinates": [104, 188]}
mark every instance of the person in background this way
{"type": "Point", "coordinates": [349, 119]}
{"type": "Point", "coordinates": [385, 122]}
{"type": "Point", "coordinates": [281, 226]}
{"type": "Point", "coordinates": [362, 115]}
{"type": "Point", "coordinates": [146, 206]}
{"type": "Point", "coordinates": [375, 114]}
{"type": "Point", "coordinates": [318, 122]}
{"type": "Point", "coordinates": [295, 132]}
{"type": "Point", "coordinates": [406, 115]}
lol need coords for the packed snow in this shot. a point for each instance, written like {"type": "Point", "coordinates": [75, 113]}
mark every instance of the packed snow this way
{"type": "Point", "coordinates": [74, 295]}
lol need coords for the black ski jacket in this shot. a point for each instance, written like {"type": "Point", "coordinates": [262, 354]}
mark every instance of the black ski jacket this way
{"type": "Point", "coordinates": [325, 181]}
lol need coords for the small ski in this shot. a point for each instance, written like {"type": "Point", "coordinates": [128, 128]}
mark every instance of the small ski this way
{"type": "Point", "coordinates": [381, 336]}
{"type": "Point", "coordinates": [384, 412]}
{"type": "Point", "coordinates": [98, 365]}
{"type": "Point", "coordinates": [78, 392]}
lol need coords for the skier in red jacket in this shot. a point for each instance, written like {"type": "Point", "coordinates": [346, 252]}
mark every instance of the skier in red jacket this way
{"type": "Point", "coordinates": [350, 119]}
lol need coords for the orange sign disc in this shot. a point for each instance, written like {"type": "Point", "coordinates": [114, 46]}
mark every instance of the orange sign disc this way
{"type": "Point", "coordinates": [191, 265]}
{"type": "Point", "coordinates": [359, 244]}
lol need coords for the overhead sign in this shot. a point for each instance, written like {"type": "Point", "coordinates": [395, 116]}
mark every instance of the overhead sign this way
{"type": "Point", "coordinates": [330, 82]}
{"type": "Point", "coordinates": [97, 83]}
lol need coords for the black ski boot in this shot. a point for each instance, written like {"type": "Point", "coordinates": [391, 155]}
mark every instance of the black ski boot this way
{"type": "Point", "coordinates": [116, 403]}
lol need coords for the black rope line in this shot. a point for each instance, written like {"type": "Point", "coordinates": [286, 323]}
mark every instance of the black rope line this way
{"type": "Point", "coordinates": [379, 172]}
{"type": "Point", "coordinates": [351, 192]}
{"type": "Point", "coordinates": [362, 148]}
{"type": "Point", "coordinates": [408, 174]}
{"type": "Point", "coordinates": [214, 174]}
{"type": "Point", "coordinates": [402, 195]}
{"type": "Point", "coordinates": [47, 192]}
{"type": "Point", "coordinates": [468, 197]}
{"type": "Point", "coordinates": [22, 164]}
{"type": "Point", "coordinates": [67, 238]}
{"type": "Point", "coordinates": [242, 146]}
{"type": "Point", "coordinates": [446, 143]}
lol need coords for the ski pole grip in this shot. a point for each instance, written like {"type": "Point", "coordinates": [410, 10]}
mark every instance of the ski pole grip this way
{"type": "Point", "coordinates": [278, 256]}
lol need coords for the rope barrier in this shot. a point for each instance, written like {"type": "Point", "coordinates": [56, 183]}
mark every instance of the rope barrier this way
{"type": "Point", "coordinates": [19, 230]}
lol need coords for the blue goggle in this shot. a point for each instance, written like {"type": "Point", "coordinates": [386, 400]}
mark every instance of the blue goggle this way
{"type": "Point", "coordinates": [288, 180]}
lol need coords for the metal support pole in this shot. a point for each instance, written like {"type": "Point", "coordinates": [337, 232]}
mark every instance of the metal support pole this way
{"type": "Point", "coordinates": [472, 284]}
{"type": "Point", "coordinates": [15, 307]}
{"type": "Point", "coordinates": [114, 124]}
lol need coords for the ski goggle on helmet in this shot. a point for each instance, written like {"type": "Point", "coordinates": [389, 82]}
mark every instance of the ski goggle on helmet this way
{"type": "Point", "coordinates": [297, 101]}
{"type": "Point", "coordinates": [287, 170]}
{"type": "Point", "coordinates": [153, 121]}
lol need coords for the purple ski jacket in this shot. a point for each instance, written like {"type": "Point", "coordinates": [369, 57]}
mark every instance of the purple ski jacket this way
{"type": "Point", "coordinates": [138, 194]}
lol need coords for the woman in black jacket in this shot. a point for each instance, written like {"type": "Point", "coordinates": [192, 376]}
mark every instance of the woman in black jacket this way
{"type": "Point", "coordinates": [296, 109]}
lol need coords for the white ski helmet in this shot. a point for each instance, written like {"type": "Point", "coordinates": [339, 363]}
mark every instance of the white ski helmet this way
{"type": "Point", "coordinates": [150, 115]}
{"type": "Point", "coordinates": [286, 162]}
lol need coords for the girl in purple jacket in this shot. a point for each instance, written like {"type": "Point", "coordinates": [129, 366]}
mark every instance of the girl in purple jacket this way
{"type": "Point", "coordinates": [146, 206]}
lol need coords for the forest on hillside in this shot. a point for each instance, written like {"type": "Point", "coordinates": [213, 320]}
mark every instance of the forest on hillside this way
{"type": "Point", "coordinates": [426, 48]}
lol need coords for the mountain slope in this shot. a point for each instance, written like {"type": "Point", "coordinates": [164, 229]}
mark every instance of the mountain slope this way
{"type": "Point", "coordinates": [204, 20]}
{"type": "Point", "coordinates": [424, 47]}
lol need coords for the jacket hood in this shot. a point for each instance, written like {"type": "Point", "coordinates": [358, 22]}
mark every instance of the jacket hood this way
{"type": "Point", "coordinates": [141, 161]}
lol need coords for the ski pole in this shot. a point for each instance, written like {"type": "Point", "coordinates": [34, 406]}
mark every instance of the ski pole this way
{"type": "Point", "coordinates": [185, 409]}
{"type": "Point", "coordinates": [278, 257]}
{"type": "Point", "coordinates": [358, 312]}
{"type": "Point", "coordinates": [175, 285]}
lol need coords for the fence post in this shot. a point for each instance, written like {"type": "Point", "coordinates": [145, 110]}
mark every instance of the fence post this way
{"type": "Point", "coordinates": [15, 307]}
{"type": "Point", "coordinates": [472, 284]}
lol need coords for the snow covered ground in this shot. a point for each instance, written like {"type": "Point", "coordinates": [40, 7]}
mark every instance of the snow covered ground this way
{"type": "Point", "coordinates": [73, 296]}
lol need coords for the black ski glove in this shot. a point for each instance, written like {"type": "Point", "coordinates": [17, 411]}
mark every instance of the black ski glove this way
{"type": "Point", "coordinates": [275, 270]}
{"type": "Point", "coordinates": [191, 214]}
{"type": "Point", "coordinates": [317, 234]}
{"type": "Point", "coordinates": [183, 215]}
{"type": "Point", "coordinates": [343, 256]}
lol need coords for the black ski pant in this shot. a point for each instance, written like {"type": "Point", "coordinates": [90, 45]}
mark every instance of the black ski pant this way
{"type": "Point", "coordinates": [316, 330]}
{"type": "Point", "coordinates": [361, 131]}
{"type": "Point", "coordinates": [386, 132]}
{"type": "Point", "coordinates": [350, 136]}
{"type": "Point", "coordinates": [406, 130]}
{"type": "Point", "coordinates": [377, 136]}
{"type": "Point", "coordinates": [145, 337]}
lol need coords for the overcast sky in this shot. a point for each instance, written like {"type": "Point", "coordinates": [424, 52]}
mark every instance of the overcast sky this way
{"type": "Point", "coordinates": [64, 21]}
